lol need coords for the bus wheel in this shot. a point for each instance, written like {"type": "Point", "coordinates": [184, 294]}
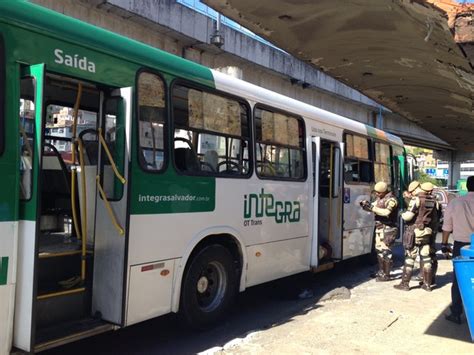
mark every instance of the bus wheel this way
{"type": "Point", "coordinates": [209, 286]}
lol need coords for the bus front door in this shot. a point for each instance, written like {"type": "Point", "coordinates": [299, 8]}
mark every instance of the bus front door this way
{"type": "Point", "coordinates": [327, 201]}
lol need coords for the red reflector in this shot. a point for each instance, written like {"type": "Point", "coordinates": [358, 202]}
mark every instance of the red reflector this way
{"type": "Point", "coordinates": [147, 268]}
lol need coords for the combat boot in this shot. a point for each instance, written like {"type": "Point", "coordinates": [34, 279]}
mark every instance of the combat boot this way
{"type": "Point", "coordinates": [380, 264]}
{"type": "Point", "coordinates": [434, 268]}
{"type": "Point", "coordinates": [387, 265]}
{"type": "Point", "coordinates": [427, 279]}
{"type": "Point", "coordinates": [404, 285]}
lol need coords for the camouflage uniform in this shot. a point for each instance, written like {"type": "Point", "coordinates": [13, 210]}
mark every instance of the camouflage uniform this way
{"type": "Point", "coordinates": [434, 225]}
{"type": "Point", "coordinates": [385, 209]}
{"type": "Point", "coordinates": [418, 237]}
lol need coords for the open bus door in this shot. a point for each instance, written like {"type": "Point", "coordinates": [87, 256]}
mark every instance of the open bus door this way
{"type": "Point", "coordinates": [111, 210]}
{"type": "Point", "coordinates": [73, 210]}
{"type": "Point", "coordinates": [327, 201]}
{"type": "Point", "coordinates": [31, 148]}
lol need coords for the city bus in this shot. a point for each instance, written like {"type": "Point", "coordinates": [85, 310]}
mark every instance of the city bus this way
{"type": "Point", "coordinates": [135, 183]}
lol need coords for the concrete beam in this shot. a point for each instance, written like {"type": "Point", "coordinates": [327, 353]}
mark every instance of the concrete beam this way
{"type": "Point", "coordinates": [170, 26]}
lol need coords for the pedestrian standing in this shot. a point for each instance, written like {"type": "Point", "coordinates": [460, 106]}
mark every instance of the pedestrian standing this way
{"type": "Point", "coordinates": [458, 220]}
{"type": "Point", "coordinates": [419, 216]}
{"type": "Point", "coordinates": [385, 209]}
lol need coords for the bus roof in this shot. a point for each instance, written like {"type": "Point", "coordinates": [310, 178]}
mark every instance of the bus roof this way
{"type": "Point", "coordinates": [265, 96]}
{"type": "Point", "coordinates": [50, 23]}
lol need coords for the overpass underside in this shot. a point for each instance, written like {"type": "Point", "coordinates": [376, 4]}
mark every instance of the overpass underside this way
{"type": "Point", "coordinates": [410, 56]}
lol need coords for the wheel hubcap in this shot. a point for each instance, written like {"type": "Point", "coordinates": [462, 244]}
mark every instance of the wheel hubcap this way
{"type": "Point", "coordinates": [211, 286]}
{"type": "Point", "coordinates": [202, 284]}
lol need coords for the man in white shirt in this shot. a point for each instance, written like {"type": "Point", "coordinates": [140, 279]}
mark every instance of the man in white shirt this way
{"type": "Point", "coordinates": [459, 220]}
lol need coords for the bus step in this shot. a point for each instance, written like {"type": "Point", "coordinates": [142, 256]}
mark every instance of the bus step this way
{"type": "Point", "coordinates": [65, 333]}
{"type": "Point", "coordinates": [49, 254]}
{"type": "Point", "coordinates": [71, 291]}
{"type": "Point", "coordinates": [63, 306]}
{"type": "Point", "coordinates": [57, 244]}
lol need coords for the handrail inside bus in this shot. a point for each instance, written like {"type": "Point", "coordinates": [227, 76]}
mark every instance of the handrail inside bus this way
{"type": "Point", "coordinates": [111, 159]}
{"type": "Point", "coordinates": [84, 204]}
{"type": "Point", "coordinates": [81, 233]}
{"type": "Point", "coordinates": [109, 207]}
{"type": "Point", "coordinates": [73, 159]}
{"type": "Point", "coordinates": [110, 211]}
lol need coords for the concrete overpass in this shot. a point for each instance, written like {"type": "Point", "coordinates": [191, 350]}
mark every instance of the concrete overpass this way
{"type": "Point", "coordinates": [178, 29]}
{"type": "Point", "coordinates": [400, 53]}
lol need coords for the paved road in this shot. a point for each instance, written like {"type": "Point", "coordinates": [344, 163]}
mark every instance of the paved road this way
{"type": "Point", "coordinates": [275, 310]}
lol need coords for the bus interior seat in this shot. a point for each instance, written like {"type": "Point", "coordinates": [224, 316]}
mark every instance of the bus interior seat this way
{"type": "Point", "coordinates": [186, 160]}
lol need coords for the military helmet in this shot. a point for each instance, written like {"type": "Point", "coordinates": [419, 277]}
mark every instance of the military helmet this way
{"type": "Point", "coordinates": [413, 186]}
{"type": "Point", "coordinates": [427, 186]}
{"type": "Point", "coordinates": [380, 187]}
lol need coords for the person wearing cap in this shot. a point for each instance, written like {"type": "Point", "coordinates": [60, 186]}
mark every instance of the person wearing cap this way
{"type": "Point", "coordinates": [420, 213]}
{"type": "Point", "coordinates": [408, 195]}
{"type": "Point", "coordinates": [385, 209]}
{"type": "Point", "coordinates": [458, 220]}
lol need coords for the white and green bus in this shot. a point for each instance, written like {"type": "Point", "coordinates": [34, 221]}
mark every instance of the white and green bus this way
{"type": "Point", "coordinates": [135, 183]}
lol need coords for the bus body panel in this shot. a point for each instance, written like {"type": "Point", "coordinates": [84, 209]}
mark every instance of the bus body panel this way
{"type": "Point", "coordinates": [23, 327]}
{"type": "Point", "coordinates": [8, 265]}
{"type": "Point", "coordinates": [150, 290]}
{"type": "Point", "coordinates": [277, 259]}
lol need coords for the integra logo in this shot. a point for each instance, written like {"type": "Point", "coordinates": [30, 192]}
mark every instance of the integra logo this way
{"type": "Point", "coordinates": [265, 205]}
{"type": "Point", "coordinates": [74, 61]}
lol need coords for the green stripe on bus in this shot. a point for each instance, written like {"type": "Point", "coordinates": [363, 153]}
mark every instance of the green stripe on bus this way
{"type": "Point", "coordinates": [375, 133]}
{"type": "Point", "coordinates": [3, 270]}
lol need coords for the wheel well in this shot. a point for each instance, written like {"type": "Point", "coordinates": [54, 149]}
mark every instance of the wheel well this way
{"type": "Point", "coordinates": [227, 241]}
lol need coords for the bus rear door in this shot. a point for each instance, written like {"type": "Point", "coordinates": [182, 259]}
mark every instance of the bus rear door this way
{"type": "Point", "coordinates": [327, 201]}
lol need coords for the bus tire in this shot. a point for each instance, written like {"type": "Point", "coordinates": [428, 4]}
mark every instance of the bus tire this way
{"type": "Point", "coordinates": [209, 287]}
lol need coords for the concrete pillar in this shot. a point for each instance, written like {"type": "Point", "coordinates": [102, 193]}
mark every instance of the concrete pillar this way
{"type": "Point", "coordinates": [454, 171]}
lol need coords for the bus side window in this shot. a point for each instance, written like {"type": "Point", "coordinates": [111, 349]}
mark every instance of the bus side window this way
{"type": "Point", "coordinates": [27, 136]}
{"type": "Point", "coordinates": [151, 121]}
{"type": "Point", "coordinates": [211, 133]}
{"type": "Point", "coordinates": [383, 163]}
{"type": "Point", "coordinates": [280, 148]}
{"type": "Point", "coordinates": [358, 165]}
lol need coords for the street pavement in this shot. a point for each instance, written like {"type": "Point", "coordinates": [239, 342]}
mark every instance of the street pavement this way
{"type": "Point", "coordinates": [340, 310]}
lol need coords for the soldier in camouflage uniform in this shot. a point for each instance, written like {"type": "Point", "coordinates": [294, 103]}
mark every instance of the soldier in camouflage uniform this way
{"type": "Point", "coordinates": [385, 209]}
{"type": "Point", "coordinates": [434, 226]}
{"type": "Point", "coordinates": [419, 216]}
